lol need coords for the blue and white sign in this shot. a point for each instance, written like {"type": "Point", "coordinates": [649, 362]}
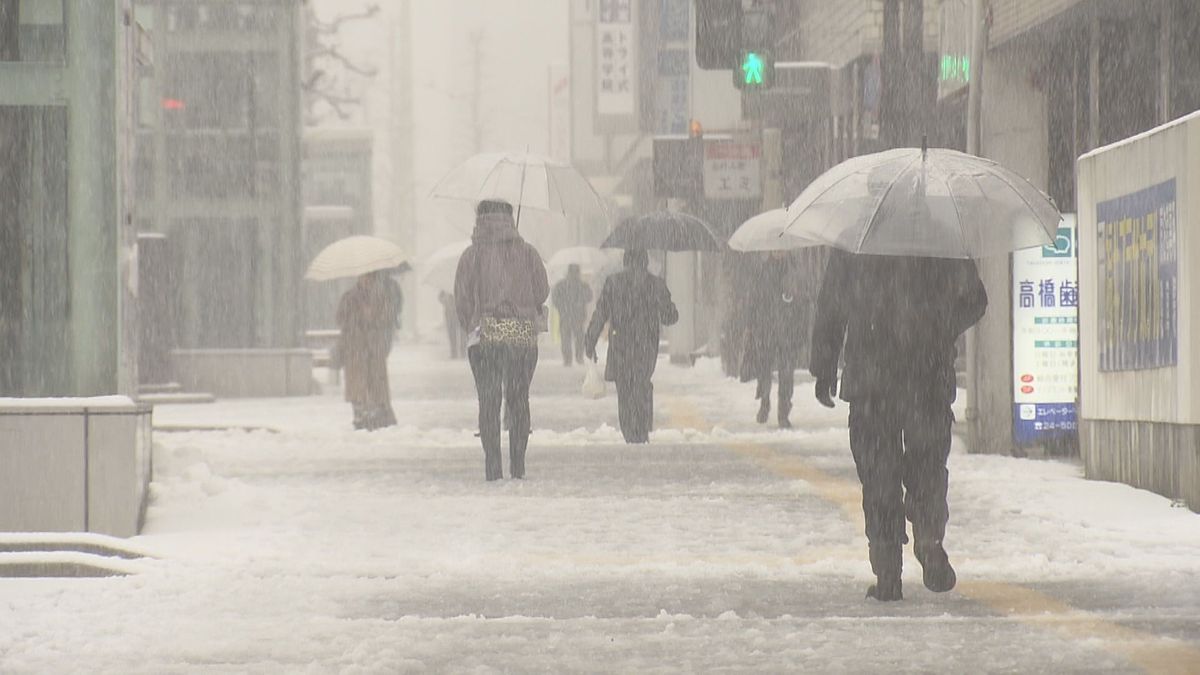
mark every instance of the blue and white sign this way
{"type": "Point", "coordinates": [1139, 279]}
{"type": "Point", "coordinates": [1046, 338]}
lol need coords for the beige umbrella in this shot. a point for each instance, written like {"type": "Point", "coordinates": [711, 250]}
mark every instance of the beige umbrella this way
{"type": "Point", "coordinates": [354, 256]}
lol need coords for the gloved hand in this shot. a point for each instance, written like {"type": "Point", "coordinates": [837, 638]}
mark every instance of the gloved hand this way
{"type": "Point", "coordinates": [826, 390]}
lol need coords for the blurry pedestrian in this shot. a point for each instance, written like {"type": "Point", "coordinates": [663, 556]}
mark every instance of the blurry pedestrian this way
{"type": "Point", "coordinates": [500, 288]}
{"type": "Point", "coordinates": [571, 297]}
{"type": "Point", "coordinates": [899, 318]}
{"type": "Point", "coordinates": [368, 315]}
{"type": "Point", "coordinates": [634, 303]}
{"type": "Point", "coordinates": [454, 333]}
{"type": "Point", "coordinates": [774, 337]}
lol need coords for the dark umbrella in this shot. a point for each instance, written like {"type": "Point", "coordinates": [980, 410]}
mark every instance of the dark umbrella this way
{"type": "Point", "coordinates": [664, 231]}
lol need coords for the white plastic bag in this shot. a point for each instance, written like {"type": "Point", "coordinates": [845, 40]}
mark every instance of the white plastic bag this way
{"type": "Point", "coordinates": [594, 385]}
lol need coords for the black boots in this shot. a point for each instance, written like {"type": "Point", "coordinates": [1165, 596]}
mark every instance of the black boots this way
{"type": "Point", "coordinates": [764, 410]}
{"type": "Point", "coordinates": [937, 573]}
{"type": "Point", "coordinates": [887, 562]}
{"type": "Point", "coordinates": [785, 409]}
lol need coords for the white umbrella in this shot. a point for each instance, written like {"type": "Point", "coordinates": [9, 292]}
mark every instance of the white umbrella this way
{"type": "Point", "coordinates": [766, 232]}
{"type": "Point", "coordinates": [354, 256]}
{"type": "Point", "coordinates": [527, 182]}
{"type": "Point", "coordinates": [439, 268]}
{"type": "Point", "coordinates": [916, 202]}
{"type": "Point", "coordinates": [589, 258]}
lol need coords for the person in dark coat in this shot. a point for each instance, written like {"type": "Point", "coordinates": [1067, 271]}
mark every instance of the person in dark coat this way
{"type": "Point", "coordinates": [499, 289]}
{"type": "Point", "coordinates": [571, 297]}
{"type": "Point", "coordinates": [454, 334]}
{"type": "Point", "coordinates": [899, 319]}
{"type": "Point", "coordinates": [368, 315]}
{"type": "Point", "coordinates": [634, 303]}
{"type": "Point", "coordinates": [773, 340]}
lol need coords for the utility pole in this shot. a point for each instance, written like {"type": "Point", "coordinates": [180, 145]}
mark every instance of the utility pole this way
{"type": "Point", "coordinates": [403, 192]}
{"type": "Point", "coordinates": [977, 442]}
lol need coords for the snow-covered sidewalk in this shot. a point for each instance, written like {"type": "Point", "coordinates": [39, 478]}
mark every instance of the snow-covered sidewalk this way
{"type": "Point", "coordinates": [288, 543]}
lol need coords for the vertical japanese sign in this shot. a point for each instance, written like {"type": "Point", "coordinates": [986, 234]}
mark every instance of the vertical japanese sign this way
{"type": "Point", "coordinates": [1139, 273]}
{"type": "Point", "coordinates": [1045, 313]}
{"type": "Point", "coordinates": [732, 170]}
{"type": "Point", "coordinates": [672, 109]}
{"type": "Point", "coordinates": [616, 62]}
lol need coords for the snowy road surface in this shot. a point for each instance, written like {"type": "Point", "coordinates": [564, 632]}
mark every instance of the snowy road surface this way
{"type": "Point", "coordinates": [302, 546]}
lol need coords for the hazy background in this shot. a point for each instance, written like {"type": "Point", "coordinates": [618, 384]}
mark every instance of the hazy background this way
{"type": "Point", "coordinates": [515, 42]}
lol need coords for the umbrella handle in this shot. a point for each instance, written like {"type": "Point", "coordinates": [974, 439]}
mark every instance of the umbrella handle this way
{"type": "Point", "coordinates": [521, 192]}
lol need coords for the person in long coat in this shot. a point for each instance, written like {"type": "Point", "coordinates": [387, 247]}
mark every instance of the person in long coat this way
{"type": "Point", "coordinates": [774, 318]}
{"type": "Point", "coordinates": [899, 318]}
{"type": "Point", "coordinates": [571, 297]}
{"type": "Point", "coordinates": [367, 316]}
{"type": "Point", "coordinates": [500, 288]}
{"type": "Point", "coordinates": [634, 304]}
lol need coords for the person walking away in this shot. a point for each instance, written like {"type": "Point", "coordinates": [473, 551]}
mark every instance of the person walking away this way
{"type": "Point", "coordinates": [367, 315]}
{"type": "Point", "coordinates": [634, 303]}
{"type": "Point", "coordinates": [571, 297]}
{"type": "Point", "coordinates": [499, 288]}
{"type": "Point", "coordinates": [454, 334]}
{"type": "Point", "coordinates": [899, 318]}
{"type": "Point", "coordinates": [774, 340]}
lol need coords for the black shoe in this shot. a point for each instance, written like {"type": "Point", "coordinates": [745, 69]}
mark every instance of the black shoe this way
{"type": "Point", "coordinates": [886, 590]}
{"type": "Point", "coordinates": [937, 573]}
{"type": "Point", "coordinates": [887, 562]}
{"type": "Point", "coordinates": [784, 411]}
{"type": "Point", "coordinates": [764, 411]}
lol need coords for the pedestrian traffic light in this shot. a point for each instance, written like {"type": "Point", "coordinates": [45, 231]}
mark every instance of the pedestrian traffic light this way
{"type": "Point", "coordinates": [718, 33]}
{"type": "Point", "coordinates": [756, 70]}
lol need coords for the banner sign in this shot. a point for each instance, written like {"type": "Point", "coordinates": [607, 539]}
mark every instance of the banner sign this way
{"type": "Point", "coordinates": [672, 107]}
{"type": "Point", "coordinates": [616, 63]}
{"type": "Point", "coordinates": [1138, 280]}
{"type": "Point", "coordinates": [732, 170]}
{"type": "Point", "coordinates": [1045, 312]}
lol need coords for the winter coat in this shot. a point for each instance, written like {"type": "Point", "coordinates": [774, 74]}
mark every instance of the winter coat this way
{"type": "Point", "coordinates": [899, 319]}
{"type": "Point", "coordinates": [499, 275]}
{"type": "Point", "coordinates": [634, 303]}
{"type": "Point", "coordinates": [367, 316]}
{"type": "Point", "coordinates": [775, 314]}
{"type": "Point", "coordinates": [571, 297]}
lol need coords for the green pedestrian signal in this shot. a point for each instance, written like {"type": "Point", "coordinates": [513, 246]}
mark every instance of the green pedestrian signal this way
{"type": "Point", "coordinates": [756, 70]}
{"type": "Point", "coordinates": [752, 68]}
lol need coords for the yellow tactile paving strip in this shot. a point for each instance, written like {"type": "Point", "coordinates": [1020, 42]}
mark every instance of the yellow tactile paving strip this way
{"type": "Point", "coordinates": [1147, 651]}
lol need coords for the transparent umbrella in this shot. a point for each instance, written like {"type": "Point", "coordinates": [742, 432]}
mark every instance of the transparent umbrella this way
{"type": "Point", "coordinates": [916, 202]}
{"type": "Point", "coordinates": [591, 260]}
{"type": "Point", "coordinates": [526, 181]}
{"type": "Point", "coordinates": [766, 232]}
{"type": "Point", "coordinates": [439, 268]}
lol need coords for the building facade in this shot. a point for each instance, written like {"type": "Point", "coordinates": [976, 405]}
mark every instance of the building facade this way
{"type": "Point", "coordinates": [219, 150]}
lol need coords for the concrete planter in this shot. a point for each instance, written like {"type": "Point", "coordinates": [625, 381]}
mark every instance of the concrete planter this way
{"type": "Point", "coordinates": [74, 464]}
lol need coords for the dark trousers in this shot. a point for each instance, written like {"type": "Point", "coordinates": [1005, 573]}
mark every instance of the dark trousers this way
{"type": "Point", "coordinates": [503, 373]}
{"type": "Point", "coordinates": [900, 448]}
{"type": "Point", "coordinates": [635, 408]}
{"type": "Point", "coordinates": [571, 334]}
{"type": "Point", "coordinates": [454, 337]}
{"type": "Point", "coordinates": [787, 384]}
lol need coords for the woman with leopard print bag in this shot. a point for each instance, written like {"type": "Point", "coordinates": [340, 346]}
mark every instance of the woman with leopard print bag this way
{"type": "Point", "coordinates": [500, 289]}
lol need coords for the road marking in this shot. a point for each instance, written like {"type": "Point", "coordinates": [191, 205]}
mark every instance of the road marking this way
{"type": "Point", "coordinates": [1152, 653]}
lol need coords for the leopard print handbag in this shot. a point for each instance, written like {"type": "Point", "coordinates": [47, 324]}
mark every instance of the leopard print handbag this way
{"type": "Point", "coordinates": [517, 332]}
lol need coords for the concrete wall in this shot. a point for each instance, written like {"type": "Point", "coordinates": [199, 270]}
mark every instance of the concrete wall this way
{"type": "Point", "coordinates": [1140, 425]}
{"type": "Point", "coordinates": [1014, 134]}
{"type": "Point", "coordinates": [74, 465]}
{"type": "Point", "coordinates": [245, 373]}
